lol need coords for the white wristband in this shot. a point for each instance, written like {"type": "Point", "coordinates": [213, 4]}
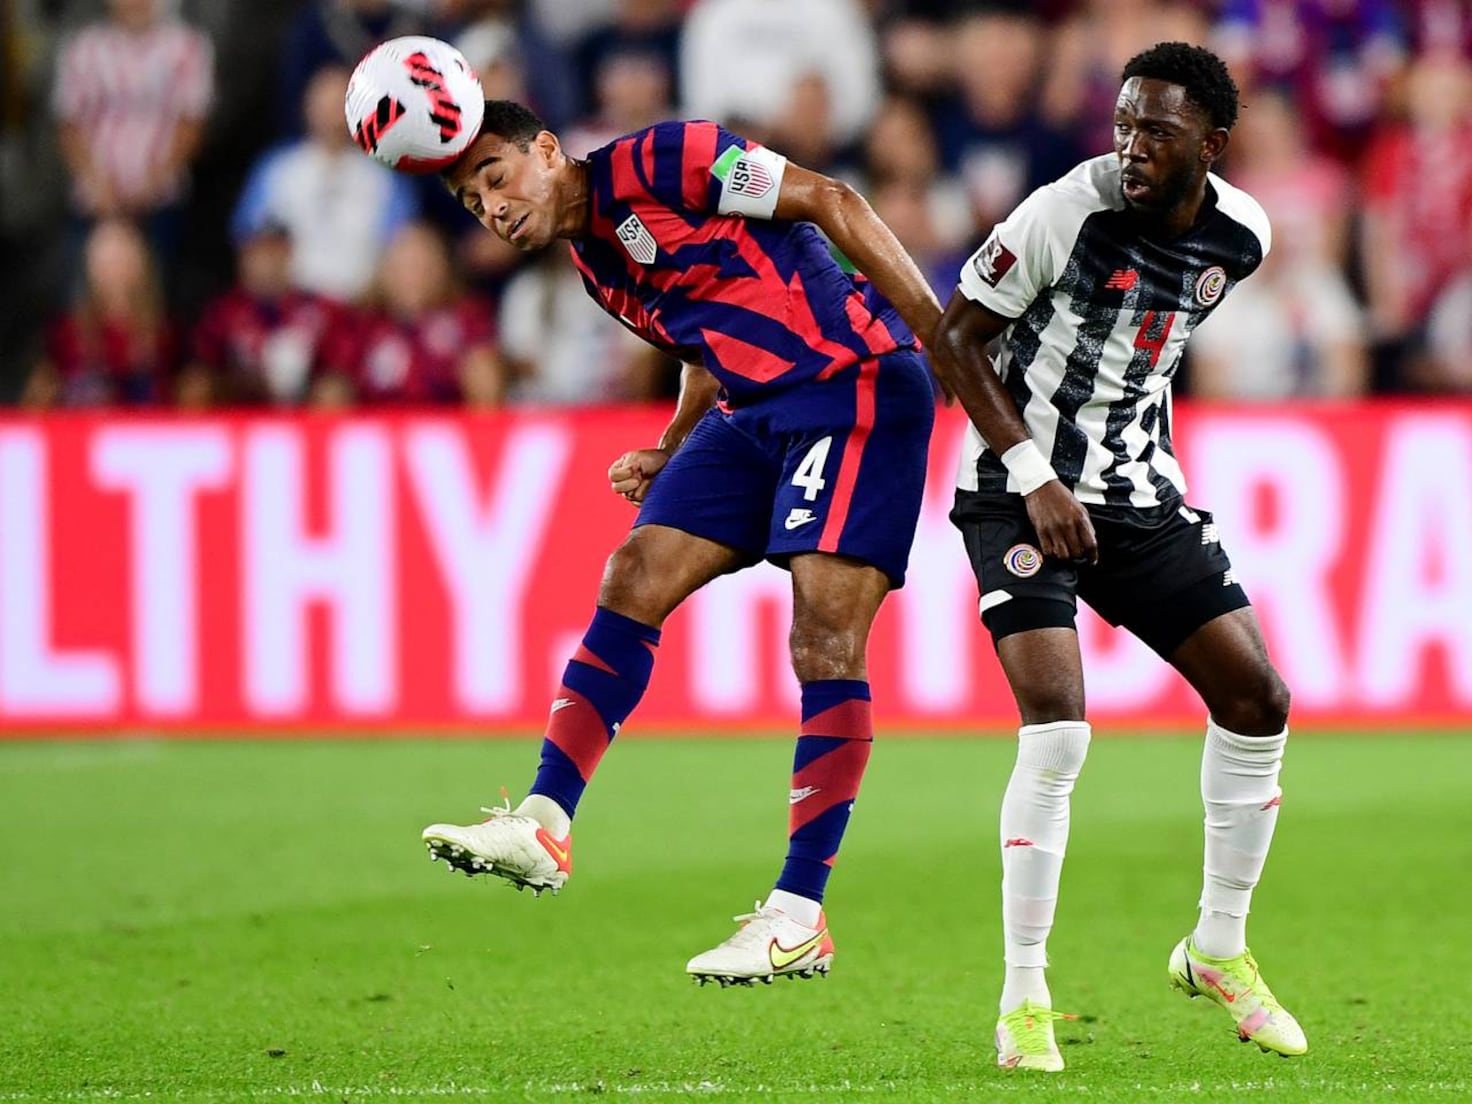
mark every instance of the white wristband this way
{"type": "Point", "coordinates": [1024, 461]}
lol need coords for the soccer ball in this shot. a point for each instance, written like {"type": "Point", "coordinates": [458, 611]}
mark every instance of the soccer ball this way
{"type": "Point", "coordinates": [415, 104]}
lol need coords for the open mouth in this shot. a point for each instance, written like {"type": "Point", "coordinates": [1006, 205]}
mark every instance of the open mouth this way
{"type": "Point", "coordinates": [1134, 185]}
{"type": "Point", "coordinates": [516, 228]}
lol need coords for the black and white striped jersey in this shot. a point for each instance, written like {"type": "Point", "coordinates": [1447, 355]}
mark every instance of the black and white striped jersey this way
{"type": "Point", "coordinates": [1102, 315]}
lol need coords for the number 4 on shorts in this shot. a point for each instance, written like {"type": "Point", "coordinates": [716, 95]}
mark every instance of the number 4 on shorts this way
{"type": "Point", "coordinates": [809, 474]}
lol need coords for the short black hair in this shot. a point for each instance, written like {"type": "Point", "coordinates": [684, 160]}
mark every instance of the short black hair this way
{"type": "Point", "coordinates": [1201, 73]}
{"type": "Point", "coordinates": [515, 122]}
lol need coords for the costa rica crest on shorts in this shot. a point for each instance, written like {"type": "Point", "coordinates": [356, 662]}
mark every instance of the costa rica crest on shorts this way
{"type": "Point", "coordinates": [1023, 560]}
{"type": "Point", "coordinates": [1210, 285]}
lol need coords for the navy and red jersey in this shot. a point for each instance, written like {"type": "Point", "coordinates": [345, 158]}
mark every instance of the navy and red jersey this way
{"type": "Point", "coordinates": [108, 362]}
{"type": "Point", "coordinates": [411, 360]}
{"type": "Point", "coordinates": [677, 250]}
{"type": "Point", "coordinates": [263, 349]}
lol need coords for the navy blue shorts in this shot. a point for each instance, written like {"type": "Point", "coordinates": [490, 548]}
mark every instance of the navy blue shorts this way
{"type": "Point", "coordinates": [836, 466]}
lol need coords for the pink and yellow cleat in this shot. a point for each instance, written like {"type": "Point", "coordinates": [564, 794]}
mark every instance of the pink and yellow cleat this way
{"type": "Point", "coordinates": [1025, 1038]}
{"type": "Point", "coordinates": [1237, 985]}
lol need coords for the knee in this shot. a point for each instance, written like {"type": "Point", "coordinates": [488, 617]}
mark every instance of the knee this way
{"type": "Point", "coordinates": [628, 584]}
{"type": "Point", "coordinates": [1256, 709]}
{"type": "Point", "coordinates": [1047, 704]}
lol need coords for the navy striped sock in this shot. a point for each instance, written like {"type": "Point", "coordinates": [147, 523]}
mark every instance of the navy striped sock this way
{"type": "Point", "coordinates": [837, 733]}
{"type": "Point", "coordinates": [602, 684]}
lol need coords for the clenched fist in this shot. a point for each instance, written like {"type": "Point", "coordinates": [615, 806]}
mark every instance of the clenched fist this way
{"type": "Point", "coordinates": [632, 473]}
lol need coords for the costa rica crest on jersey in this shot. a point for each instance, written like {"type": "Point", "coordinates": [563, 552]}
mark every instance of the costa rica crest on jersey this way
{"type": "Point", "coordinates": [1023, 560]}
{"type": "Point", "coordinates": [637, 240]}
{"type": "Point", "coordinates": [1210, 285]}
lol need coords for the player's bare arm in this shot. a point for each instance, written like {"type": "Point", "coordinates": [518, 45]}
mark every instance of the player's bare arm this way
{"type": "Point", "coordinates": [959, 358]}
{"type": "Point", "coordinates": [862, 236]}
{"type": "Point", "coordinates": [632, 473]}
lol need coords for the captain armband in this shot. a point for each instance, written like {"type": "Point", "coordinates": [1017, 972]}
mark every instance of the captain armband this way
{"type": "Point", "coordinates": [750, 181]}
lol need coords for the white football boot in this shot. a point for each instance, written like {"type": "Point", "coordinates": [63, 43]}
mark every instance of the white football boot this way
{"type": "Point", "coordinates": [509, 845]}
{"type": "Point", "coordinates": [768, 944]}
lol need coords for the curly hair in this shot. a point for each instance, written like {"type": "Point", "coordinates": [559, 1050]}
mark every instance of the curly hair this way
{"type": "Point", "coordinates": [1201, 73]}
{"type": "Point", "coordinates": [511, 121]}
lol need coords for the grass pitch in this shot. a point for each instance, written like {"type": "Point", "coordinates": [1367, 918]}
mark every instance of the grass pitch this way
{"type": "Point", "coordinates": [253, 921]}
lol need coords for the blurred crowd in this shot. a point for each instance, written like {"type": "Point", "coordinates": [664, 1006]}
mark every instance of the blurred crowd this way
{"type": "Point", "coordinates": [185, 221]}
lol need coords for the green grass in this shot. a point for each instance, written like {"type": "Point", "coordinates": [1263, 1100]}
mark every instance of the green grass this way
{"type": "Point", "coordinates": [247, 921]}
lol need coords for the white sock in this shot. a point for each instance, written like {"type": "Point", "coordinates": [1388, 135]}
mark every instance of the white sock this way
{"type": "Point", "coordinates": [1239, 787]}
{"type": "Point", "coordinates": [547, 813]}
{"type": "Point", "coordinates": [1034, 838]}
{"type": "Point", "coordinates": [804, 910]}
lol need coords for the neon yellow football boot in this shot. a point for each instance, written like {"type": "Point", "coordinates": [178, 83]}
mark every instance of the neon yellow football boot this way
{"type": "Point", "coordinates": [1237, 985]}
{"type": "Point", "coordinates": [1025, 1038]}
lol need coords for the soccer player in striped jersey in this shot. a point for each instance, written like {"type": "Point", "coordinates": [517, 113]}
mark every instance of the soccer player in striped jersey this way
{"type": "Point", "coordinates": [1069, 488]}
{"type": "Point", "coordinates": [800, 436]}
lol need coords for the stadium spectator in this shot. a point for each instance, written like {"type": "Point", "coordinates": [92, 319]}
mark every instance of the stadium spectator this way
{"type": "Point", "coordinates": [631, 90]}
{"type": "Point", "coordinates": [647, 29]}
{"type": "Point", "coordinates": [333, 33]}
{"type": "Point", "coordinates": [1091, 46]}
{"type": "Point", "coordinates": [1418, 201]}
{"type": "Point", "coordinates": [261, 341]}
{"type": "Point", "coordinates": [1445, 365]}
{"type": "Point", "coordinates": [559, 347]}
{"type": "Point", "coordinates": [421, 340]}
{"type": "Point", "coordinates": [1308, 196]}
{"type": "Point", "coordinates": [1338, 57]}
{"type": "Point", "coordinates": [1294, 329]}
{"type": "Point", "coordinates": [744, 62]}
{"type": "Point", "coordinates": [340, 207]}
{"type": "Point", "coordinates": [917, 56]}
{"type": "Point", "coordinates": [489, 45]}
{"type": "Point", "coordinates": [907, 208]}
{"type": "Point", "coordinates": [991, 133]}
{"type": "Point", "coordinates": [131, 97]}
{"type": "Point", "coordinates": [1439, 26]}
{"type": "Point", "coordinates": [117, 347]}
{"type": "Point", "coordinates": [900, 148]}
{"type": "Point", "coordinates": [516, 58]}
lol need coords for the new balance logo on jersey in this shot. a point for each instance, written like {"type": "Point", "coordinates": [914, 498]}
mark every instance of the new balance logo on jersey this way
{"type": "Point", "coordinates": [799, 517]}
{"type": "Point", "coordinates": [1124, 279]}
{"type": "Point", "coordinates": [1209, 533]}
{"type": "Point", "coordinates": [637, 240]}
{"type": "Point", "coordinates": [994, 260]}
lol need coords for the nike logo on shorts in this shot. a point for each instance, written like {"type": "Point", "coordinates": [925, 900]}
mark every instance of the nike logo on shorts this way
{"type": "Point", "coordinates": [799, 517]}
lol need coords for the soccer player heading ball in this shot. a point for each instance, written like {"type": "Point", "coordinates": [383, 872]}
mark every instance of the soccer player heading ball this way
{"type": "Point", "coordinates": [1069, 489]}
{"type": "Point", "coordinates": [800, 437]}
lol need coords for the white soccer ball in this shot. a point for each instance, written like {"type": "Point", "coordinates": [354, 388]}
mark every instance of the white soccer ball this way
{"type": "Point", "coordinates": [415, 104]}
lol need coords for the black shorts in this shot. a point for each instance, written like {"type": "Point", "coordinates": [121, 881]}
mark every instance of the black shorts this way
{"type": "Point", "coordinates": [1161, 573]}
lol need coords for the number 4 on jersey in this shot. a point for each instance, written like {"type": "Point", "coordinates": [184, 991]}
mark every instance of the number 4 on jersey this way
{"type": "Point", "coordinates": [1153, 345]}
{"type": "Point", "coordinates": [809, 474]}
